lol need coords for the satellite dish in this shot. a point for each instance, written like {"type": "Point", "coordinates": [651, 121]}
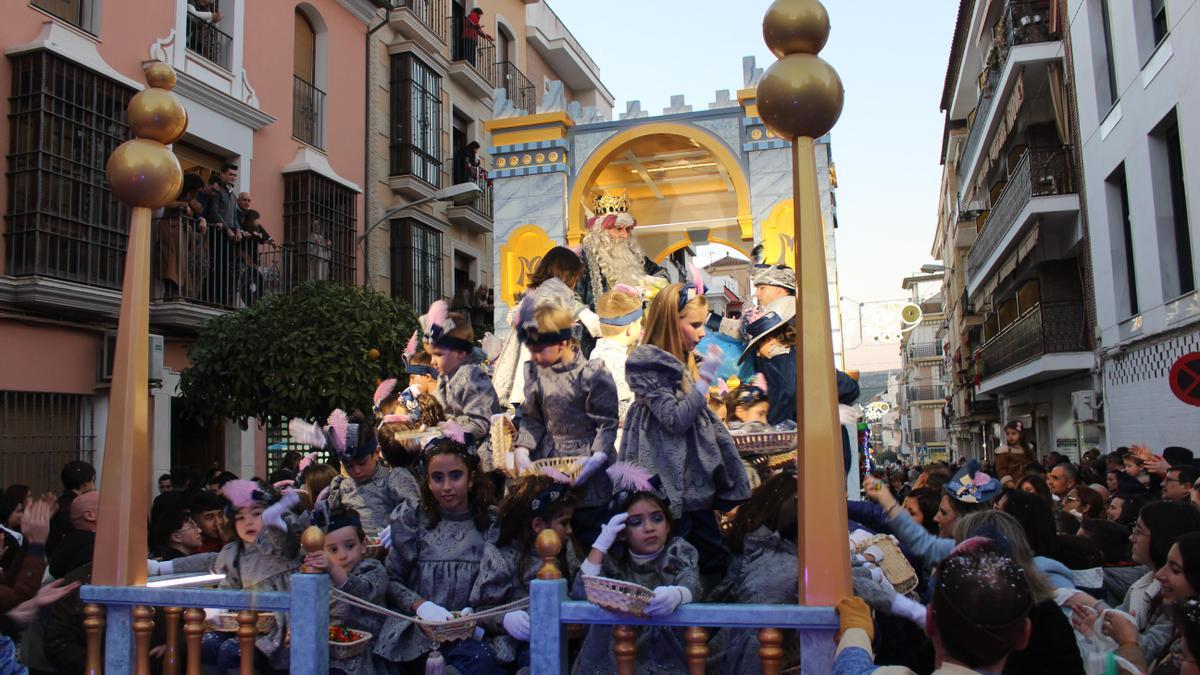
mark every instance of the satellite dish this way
{"type": "Point", "coordinates": [911, 314]}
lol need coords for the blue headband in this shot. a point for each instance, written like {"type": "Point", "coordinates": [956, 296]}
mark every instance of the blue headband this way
{"type": "Point", "coordinates": [546, 499]}
{"type": "Point", "coordinates": [529, 334]}
{"type": "Point", "coordinates": [344, 518]}
{"type": "Point", "coordinates": [413, 369]}
{"type": "Point", "coordinates": [624, 319]}
{"type": "Point", "coordinates": [687, 293]}
{"type": "Point", "coordinates": [450, 342]}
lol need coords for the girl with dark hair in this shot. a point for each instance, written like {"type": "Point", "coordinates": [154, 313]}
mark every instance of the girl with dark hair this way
{"type": "Point", "coordinates": [922, 505]}
{"type": "Point", "coordinates": [1159, 526]}
{"type": "Point", "coordinates": [1084, 502]}
{"type": "Point", "coordinates": [1119, 569]}
{"type": "Point", "coordinates": [763, 539]}
{"type": "Point", "coordinates": [637, 545]}
{"type": "Point", "coordinates": [1036, 485]}
{"type": "Point", "coordinates": [434, 560]}
{"type": "Point", "coordinates": [1016, 454]}
{"type": "Point", "coordinates": [1037, 522]}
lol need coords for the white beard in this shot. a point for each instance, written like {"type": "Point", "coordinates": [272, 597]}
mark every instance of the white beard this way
{"type": "Point", "coordinates": [620, 262]}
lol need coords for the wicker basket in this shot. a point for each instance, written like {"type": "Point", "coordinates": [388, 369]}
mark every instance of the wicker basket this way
{"type": "Point", "coordinates": [450, 630]}
{"type": "Point", "coordinates": [501, 437]}
{"type": "Point", "coordinates": [349, 650]}
{"type": "Point", "coordinates": [227, 622]}
{"type": "Point", "coordinates": [895, 566]}
{"type": "Point", "coordinates": [571, 466]}
{"type": "Point", "coordinates": [765, 444]}
{"type": "Point", "coordinates": [617, 595]}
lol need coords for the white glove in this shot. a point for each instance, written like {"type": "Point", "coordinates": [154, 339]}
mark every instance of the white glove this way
{"type": "Point", "coordinates": [158, 568]}
{"type": "Point", "coordinates": [273, 516]}
{"type": "Point", "coordinates": [590, 321]}
{"type": "Point", "coordinates": [609, 532]}
{"type": "Point", "coordinates": [521, 457]}
{"type": "Point", "coordinates": [593, 463]}
{"type": "Point", "coordinates": [431, 611]}
{"type": "Point", "coordinates": [667, 599]}
{"type": "Point", "coordinates": [385, 537]}
{"type": "Point", "coordinates": [517, 624]}
{"type": "Point", "coordinates": [708, 369]}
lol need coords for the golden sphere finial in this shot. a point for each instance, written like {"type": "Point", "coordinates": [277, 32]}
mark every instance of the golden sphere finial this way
{"type": "Point", "coordinates": [548, 545]}
{"type": "Point", "coordinates": [160, 75]}
{"type": "Point", "coordinates": [800, 95]}
{"type": "Point", "coordinates": [157, 114]}
{"type": "Point", "coordinates": [795, 27]}
{"type": "Point", "coordinates": [312, 539]}
{"type": "Point", "coordinates": [144, 173]}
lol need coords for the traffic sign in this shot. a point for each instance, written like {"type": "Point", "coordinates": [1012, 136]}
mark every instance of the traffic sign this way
{"type": "Point", "coordinates": [1185, 379]}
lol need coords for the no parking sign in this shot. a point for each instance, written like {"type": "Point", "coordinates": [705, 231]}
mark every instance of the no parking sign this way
{"type": "Point", "coordinates": [1185, 379]}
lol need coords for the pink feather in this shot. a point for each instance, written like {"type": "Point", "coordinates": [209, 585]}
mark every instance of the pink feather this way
{"type": "Point", "coordinates": [307, 433]}
{"type": "Point", "coordinates": [396, 419]}
{"type": "Point", "coordinates": [437, 314]}
{"type": "Point", "coordinates": [697, 278]}
{"type": "Point", "coordinates": [627, 289]}
{"type": "Point", "coordinates": [760, 381]}
{"type": "Point", "coordinates": [384, 390]}
{"type": "Point", "coordinates": [558, 476]}
{"type": "Point", "coordinates": [722, 388]}
{"type": "Point", "coordinates": [339, 426]}
{"type": "Point", "coordinates": [454, 431]}
{"type": "Point", "coordinates": [306, 460]}
{"type": "Point", "coordinates": [411, 347]}
{"type": "Point", "coordinates": [630, 476]}
{"type": "Point", "coordinates": [240, 492]}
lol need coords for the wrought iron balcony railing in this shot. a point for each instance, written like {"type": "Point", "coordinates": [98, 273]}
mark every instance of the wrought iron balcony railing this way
{"type": "Point", "coordinates": [1047, 328]}
{"type": "Point", "coordinates": [518, 87]}
{"type": "Point", "coordinates": [207, 267]}
{"type": "Point", "coordinates": [927, 392]}
{"type": "Point", "coordinates": [928, 435]}
{"type": "Point", "coordinates": [308, 107]}
{"type": "Point", "coordinates": [477, 51]}
{"type": "Point", "coordinates": [205, 39]}
{"type": "Point", "coordinates": [432, 13]}
{"type": "Point", "coordinates": [1041, 172]}
{"type": "Point", "coordinates": [925, 350]}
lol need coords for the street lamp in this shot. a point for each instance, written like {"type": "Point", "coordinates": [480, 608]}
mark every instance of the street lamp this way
{"type": "Point", "coordinates": [860, 306]}
{"type": "Point", "coordinates": [931, 268]}
{"type": "Point", "coordinates": [459, 194]}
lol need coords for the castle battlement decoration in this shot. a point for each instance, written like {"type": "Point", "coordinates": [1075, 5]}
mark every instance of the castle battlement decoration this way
{"type": "Point", "coordinates": [688, 177]}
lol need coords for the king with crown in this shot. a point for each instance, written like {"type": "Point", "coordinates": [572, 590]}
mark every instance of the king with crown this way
{"type": "Point", "coordinates": [611, 254]}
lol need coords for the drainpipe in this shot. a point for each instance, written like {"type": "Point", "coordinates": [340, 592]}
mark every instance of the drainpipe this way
{"type": "Point", "coordinates": [386, 6]}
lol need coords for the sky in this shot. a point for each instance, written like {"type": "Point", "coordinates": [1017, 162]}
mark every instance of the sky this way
{"type": "Point", "coordinates": [891, 57]}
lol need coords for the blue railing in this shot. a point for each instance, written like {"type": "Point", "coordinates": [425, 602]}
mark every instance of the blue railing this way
{"type": "Point", "coordinates": [307, 604]}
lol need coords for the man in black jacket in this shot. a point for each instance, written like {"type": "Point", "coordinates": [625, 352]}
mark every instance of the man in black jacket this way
{"type": "Point", "coordinates": [78, 477]}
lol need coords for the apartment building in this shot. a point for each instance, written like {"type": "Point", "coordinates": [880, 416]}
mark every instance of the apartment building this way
{"type": "Point", "coordinates": [921, 392]}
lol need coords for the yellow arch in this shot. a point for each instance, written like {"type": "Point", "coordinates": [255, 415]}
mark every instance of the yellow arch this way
{"type": "Point", "coordinates": [662, 255]}
{"type": "Point", "coordinates": [703, 137]}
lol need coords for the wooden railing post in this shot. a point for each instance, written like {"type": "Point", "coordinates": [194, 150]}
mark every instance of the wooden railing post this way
{"type": "Point", "coordinates": [547, 634]}
{"type": "Point", "coordinates": [696, 649]}
{"type": "Point", "coordinates": [247, 634]}
{"type": "Point", "coordinates": [143, 625]}
{"type": "Point", "coordinates": [93, 628]}
{"type": "Point", "coordinates": [171, 659]}
{"type": "Point", "coordinates": [193, 633]}
{"type": "Point", "coordinates": [625, 649]}
{"type": "Point", "coordinates": [770, 650]}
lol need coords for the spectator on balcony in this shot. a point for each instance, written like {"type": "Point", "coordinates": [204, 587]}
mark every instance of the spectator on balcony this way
{"type": "Point", "coordinates": [202, 34]}
{"type": "Point", "coordinates": [180, 234]}
{"type": "Point", "coordinates": [78, 478]}
{"type": "Point", "coordinates": [472, 31]}
{"type": "Point", "coordinates": [225, 231]}
{"type": "Point", "coordinates": [255, 236]}
{"type": "Point", "coordinates": [243, 202]}
{"type": "Point", "coordinates": [472, 165]}
{"type": "Point", "coordinates": [205, 10]}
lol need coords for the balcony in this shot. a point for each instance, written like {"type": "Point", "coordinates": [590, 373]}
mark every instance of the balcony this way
{"type": "Point", "coordinates": [1021, 38]}
{"type": "Point", "coordinates": [516, 86]}
{"type": "Point", "coordinates": [208, 41]}
{"type": "Point", "coordinates": [308, 108]}
{"type": "Point", "coordinates": [199, 274]}
{"type": "Point", "coordinates": [927, 393]}
{"type": "Point", "coordinates": [1041, 187]}
{"type": "Point", "coordinates": [476, 216]}
{"type": "Point", "coordinates": [928, 435]}
{"type": "Point", "coordinates": [422, 21]}
{"type": "Point", "coordinates": [472, 60]}
{"type": "Point", "coordinates": [1048, 341]}
{"type": "Point", "coordinates": [925, 350]}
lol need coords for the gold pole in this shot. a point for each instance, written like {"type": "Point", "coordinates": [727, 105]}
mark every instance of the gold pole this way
{"type": "Point", "coordinates": [144, 174]}
{"type": "Point", "coordinates": [800, 97]}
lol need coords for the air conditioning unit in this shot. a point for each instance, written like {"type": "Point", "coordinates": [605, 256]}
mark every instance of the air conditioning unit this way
{"type": "Point", "coordinates": [106, 357]}
{"type": "Point", "coordinates": [1084, 407]}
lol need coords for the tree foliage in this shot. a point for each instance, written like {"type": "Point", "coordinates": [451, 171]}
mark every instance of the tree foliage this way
{"type": "Point", "coordinates": [300, 354]}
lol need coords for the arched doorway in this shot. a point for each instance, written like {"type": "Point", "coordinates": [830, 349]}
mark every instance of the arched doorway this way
{"type": "Point", "coordinates": [685, 187]}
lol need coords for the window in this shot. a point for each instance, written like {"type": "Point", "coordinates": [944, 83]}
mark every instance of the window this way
{"type": "Point", "coordinates": [1107, 89]}
{"type": "Point", "coordinates": [39, 433]}
{"type": "Point", "coordinates": [319, 228]}
{"type": "Point", "coordinates": [1170, 206]}
{"type": "Point", "coordinates": [458, 142]}
{"type": "Point", "coordinates": [416, 263]}
{"type": "Point", "coordinates": [1121, 229]}
{"type": "Point", "coordinates": [416, 120]}
{"type": "Point", "coordinates": [64, 122]}
{"type": "Point", "coordinates": [203, 35]}
{"type": "Point", "coordinates": [78, 13]}
{"type": "Point", "coordinates": [1158, 20]}
{"type": "Point", "coordinates": [308, 102]}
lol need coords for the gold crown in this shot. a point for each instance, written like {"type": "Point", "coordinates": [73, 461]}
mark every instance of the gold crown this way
{"type": "Point", "coordinates": [604, 204]}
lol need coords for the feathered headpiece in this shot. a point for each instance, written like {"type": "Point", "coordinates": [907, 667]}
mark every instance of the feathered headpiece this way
{"type": "Point", "coordinates": [545, 501]}
{"type": "Point", "coordinates": [243, 494]}
{"type": "Point", "coordinates": [411, 368]}
{"type": "Point", "coordinates": [307, 433]}
{"type": "Point", "coordinates": [454, 440]}
{"type": "Point", "coordinates": [439, 325]}
{"type": "Point", "coordinates": [628, 480]}
{"type": "Point", "coordinates": [693, 288]}
{"type": "Point", "coordinates": [383, 391]}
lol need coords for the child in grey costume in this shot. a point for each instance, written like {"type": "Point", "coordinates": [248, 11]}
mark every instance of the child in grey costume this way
{"type": "Point", "coordinates": [570, 410]}
{"type": "Point", "coordinates": [367, 580]}
{"type": "Point", "coordinates": [671, 431]}
{"type": "Point", "coordinates": [469, 399]}
{"type": "Point", "coordinates": [375, 498]}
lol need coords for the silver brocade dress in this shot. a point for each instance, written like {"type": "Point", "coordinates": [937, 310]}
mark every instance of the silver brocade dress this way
{"type": "Point", "coordinates": [375, 498]}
